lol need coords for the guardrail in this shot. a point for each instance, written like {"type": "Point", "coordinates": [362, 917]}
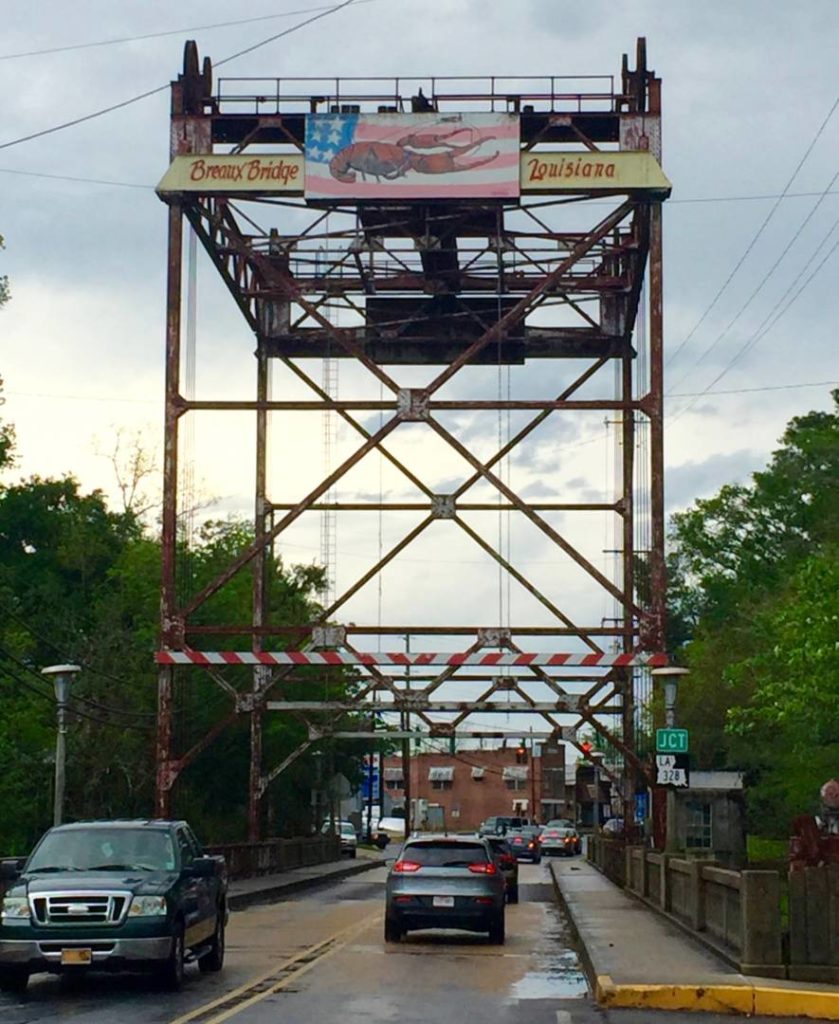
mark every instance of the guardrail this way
{"type": "Point", "coordinates": [273, 856]}
{"type": "Point", "coordinates": [737, 913]}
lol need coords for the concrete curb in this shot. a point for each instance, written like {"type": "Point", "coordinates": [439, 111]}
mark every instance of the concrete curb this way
{"type": "Point", "coordinates": [752, 1000]}
{"type": "Point", "coordinates": [238, 901]}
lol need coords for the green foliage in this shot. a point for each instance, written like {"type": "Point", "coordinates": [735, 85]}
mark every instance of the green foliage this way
{"type": "Point", "coordinates": [79, 583]}
{"type": "Point", "coordinates": [5, 294]}
{"type": "Point", "coordinates": [754, 578]}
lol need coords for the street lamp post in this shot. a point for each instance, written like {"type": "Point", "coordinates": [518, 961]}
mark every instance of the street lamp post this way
{"type": "Point", "coordinates": [670, 677]}
{"type": "Point", "coordinates": [62, 677]}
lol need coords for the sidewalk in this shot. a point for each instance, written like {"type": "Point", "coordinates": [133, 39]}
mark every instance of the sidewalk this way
{"type": "Point", "coordinates": [246, 891]}
{"type": "Point", "coordinates": [637, 958]}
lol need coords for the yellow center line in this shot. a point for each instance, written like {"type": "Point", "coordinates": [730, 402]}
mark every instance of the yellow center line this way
{"type": "Point", "coordinates": [336, 941]}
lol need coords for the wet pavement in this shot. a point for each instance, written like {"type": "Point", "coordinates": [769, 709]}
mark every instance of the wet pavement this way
{"type": "Point", "coordinates": [319, 956]}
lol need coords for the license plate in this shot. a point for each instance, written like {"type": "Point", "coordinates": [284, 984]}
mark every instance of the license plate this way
{"type": "Point", "coordinates": [443, 901]}
{"type": "Point", "coordinates": [76, 956]}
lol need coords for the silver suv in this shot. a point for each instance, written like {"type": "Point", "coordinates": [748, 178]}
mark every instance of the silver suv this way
{"type": "Point", "coordinates": [445, 882]}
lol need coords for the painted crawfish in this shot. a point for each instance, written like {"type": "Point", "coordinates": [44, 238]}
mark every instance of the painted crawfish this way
{"type": "Point", "coordinates": [423, 152]}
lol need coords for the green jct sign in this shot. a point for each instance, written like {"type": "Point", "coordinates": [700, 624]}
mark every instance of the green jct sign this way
{"type": "Point", "coordinates": [671, 741]}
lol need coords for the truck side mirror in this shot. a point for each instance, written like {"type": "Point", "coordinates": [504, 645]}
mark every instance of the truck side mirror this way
{"type": "Point", "coordinates": [10, 868]}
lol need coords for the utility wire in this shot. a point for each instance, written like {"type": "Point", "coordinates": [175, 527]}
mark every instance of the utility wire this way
{"type": "Point", "coordinates": [12, 674]}
{"type": "Point", "coordinates": [162, 88]}
{"type": "Point", "coordinates": [784, 252]}
{"type": "Point", "coordinates": [60, 651]}
{"type": "Point", "coordinates": [766, 326]}
{"type": "Point", "coordinates": [756, 236]}
{"type": "Point", "coordinates": [168, 32]}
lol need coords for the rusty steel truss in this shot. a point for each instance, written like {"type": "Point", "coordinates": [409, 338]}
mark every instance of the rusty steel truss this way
{"type": "Point", "coordinates": [551, 286]}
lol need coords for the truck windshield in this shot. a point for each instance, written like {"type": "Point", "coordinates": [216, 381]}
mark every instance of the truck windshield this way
{"type": "Point", "coordinates": [104, 849]}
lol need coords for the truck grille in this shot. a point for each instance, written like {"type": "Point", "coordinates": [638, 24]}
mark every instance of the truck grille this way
{"type": "Point", "coordinates": [69, 908]}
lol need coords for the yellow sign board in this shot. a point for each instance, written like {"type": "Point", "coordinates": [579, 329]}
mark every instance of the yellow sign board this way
{"type": "Point", "coordinates": [590, 171]}
{"type": "Point", "coordinates": [270, 173]}
{"type": "Point", "coordinates": [240, 172]}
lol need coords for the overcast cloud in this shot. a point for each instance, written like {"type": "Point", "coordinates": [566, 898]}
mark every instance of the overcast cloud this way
{"type": "Point", "coordinates": [746, 87]}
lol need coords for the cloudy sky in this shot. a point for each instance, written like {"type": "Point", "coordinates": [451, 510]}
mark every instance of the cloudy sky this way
{"type": "Point", "coordinates": [748, 88]}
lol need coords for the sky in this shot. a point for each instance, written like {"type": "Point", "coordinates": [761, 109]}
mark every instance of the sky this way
{"type": "Point", "coordinates": [748, 89]}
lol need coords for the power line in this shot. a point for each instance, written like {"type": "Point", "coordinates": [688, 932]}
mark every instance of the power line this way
{"type": "Point", "coordinates": [168, 32]}
{"type": "Point", "coordinates": [162, 88]}
{"type": "Point", "coordinates": [756, 236]}
{"type": "Point", "coordinates": [87, 668]}
{"type": "Point", "coordinates": [768, 387]}
{"type": "Point", "coordinates": [766, 326]}
{"type": "Point", "coordinates": [12, 674]}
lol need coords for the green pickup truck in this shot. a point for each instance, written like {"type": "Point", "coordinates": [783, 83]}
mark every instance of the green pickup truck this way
{"type": "Point", "coordinates": [112, 895]}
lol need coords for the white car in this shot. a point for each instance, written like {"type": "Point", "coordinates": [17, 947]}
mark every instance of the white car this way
{"type": "Point", "coordinates": [347, 835]}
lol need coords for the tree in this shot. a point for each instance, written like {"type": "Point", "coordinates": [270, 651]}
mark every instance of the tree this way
{"type": "Point", "coordinates": [753, 585]}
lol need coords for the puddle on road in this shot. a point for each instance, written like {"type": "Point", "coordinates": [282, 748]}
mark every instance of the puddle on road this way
{"type": "Point", "coordinates": [557, 974]}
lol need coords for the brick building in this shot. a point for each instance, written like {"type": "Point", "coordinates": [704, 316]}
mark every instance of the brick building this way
{"type": "Point", "coordinates": [460, 790]}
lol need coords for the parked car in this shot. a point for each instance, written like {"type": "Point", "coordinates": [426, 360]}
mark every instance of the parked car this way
{"type": "Point", "coordinates": [508, 865]}
{"type": "Point", "coordinates": [445, 882]}
{"type": "Point", "coordinates": [525, 843]}
{"type": "Point", "coordinates": [113, 895]}
{"type": "Point", "coordinates": [347, 835]}
{"type": "Point", "coordinates": [565, 842]}
{"type": "Point", "coordinates": [560, 823]}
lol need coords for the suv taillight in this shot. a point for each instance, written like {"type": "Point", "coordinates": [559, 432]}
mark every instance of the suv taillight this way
{"type": "Point", "coordinates": [483, 868]}
{"type": "Point", "coordinates": [406, 866]}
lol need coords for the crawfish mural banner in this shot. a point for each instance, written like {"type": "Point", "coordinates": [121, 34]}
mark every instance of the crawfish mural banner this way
{"type": "Point", "coordinates": [412, 156]}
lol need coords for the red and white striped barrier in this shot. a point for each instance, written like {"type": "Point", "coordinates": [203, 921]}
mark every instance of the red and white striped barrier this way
{"type": "Point", "coordinates": [398, 658]}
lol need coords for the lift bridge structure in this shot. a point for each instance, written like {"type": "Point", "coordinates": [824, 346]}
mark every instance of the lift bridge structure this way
{"type": "Point", "coordinates": [493, 303]}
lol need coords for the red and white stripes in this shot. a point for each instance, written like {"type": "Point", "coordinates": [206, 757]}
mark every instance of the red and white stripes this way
{"type": "Point", "coordinates": [496, 659]}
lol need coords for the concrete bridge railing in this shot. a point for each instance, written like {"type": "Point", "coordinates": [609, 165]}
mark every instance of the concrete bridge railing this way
{"type": "Point", "coordinates": [273, 856]}
{"type": "Point", "coordinates": [737, 913]}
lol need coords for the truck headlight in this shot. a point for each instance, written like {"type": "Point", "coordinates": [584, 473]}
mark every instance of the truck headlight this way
{"type": "Point", "coordinates": [147, 906]}
{"type": "Point", "coordinates": [15, 908]}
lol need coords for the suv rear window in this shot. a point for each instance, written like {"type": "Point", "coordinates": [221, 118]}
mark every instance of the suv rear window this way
{"type": "Point", "coordinates": [445, 855]}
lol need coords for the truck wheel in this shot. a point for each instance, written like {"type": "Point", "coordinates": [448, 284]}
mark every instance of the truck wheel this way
{"type": "Point", "coordinates": [393, 930]}
{"type": "Point", "coordinates": [13, 979]}
{"type": "Point", "coordinates": [496, 930]}
{"type": "Point", "coordinates": [214, 960]}
{"type": "Point", "coordinates": [513, 894]}
{"type": "Point", "coordinates": [172, 974]}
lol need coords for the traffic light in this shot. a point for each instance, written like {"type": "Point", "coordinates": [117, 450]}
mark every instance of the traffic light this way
{"type": "Point", "coordinates": [521, 753]}
{"type": "Point", "coordinates": [585, 747]}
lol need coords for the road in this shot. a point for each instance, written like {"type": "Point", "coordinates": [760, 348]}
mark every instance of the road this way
{"type": "Point", "coordinates": [320, 958]}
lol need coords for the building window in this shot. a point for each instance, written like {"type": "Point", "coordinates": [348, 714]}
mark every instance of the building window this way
{"type": "Point", "coordinates": [698, 826]}
{"type": "Point", "coordinates": [516, 776]}
{"type": "Point", "coordinates": [478, 774]}
{"type": "Point", "coordinates": [441, 777]}
{"type": "Point", "coordinates": [394, 783]}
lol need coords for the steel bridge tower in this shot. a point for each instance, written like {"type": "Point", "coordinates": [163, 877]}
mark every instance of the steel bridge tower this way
{"type": "Point", "coordinates": [485, 335]}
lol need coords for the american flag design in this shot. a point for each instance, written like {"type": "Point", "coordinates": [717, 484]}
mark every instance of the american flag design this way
{"type": "Point", "coordinates": [412, 156]}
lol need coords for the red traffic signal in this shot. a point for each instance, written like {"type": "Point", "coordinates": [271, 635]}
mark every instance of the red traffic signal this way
{"type": "Point", "coordinates": [586, 747]}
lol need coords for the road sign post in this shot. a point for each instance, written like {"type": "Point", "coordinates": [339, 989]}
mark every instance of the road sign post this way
{"type": "Point", "coordinates": [672, 770]}
{"type": "Point", "coordinates": [671, 741]}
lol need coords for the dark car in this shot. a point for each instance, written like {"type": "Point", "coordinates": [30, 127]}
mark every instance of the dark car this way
{"type": "Point", "coordinates": [445, 882]}
{"type": "Point", "coordinates": [525, 843]}
{"type": "Point", "coordinates": [113, 895]}
{"type": "Point", "coordinates": [507, 864]}
{"type": "Point", "coordinates": [501, 824]}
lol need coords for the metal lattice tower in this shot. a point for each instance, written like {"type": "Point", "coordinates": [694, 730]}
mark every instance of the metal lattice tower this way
{"type": "Point", "coordinates": [424, 300]}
